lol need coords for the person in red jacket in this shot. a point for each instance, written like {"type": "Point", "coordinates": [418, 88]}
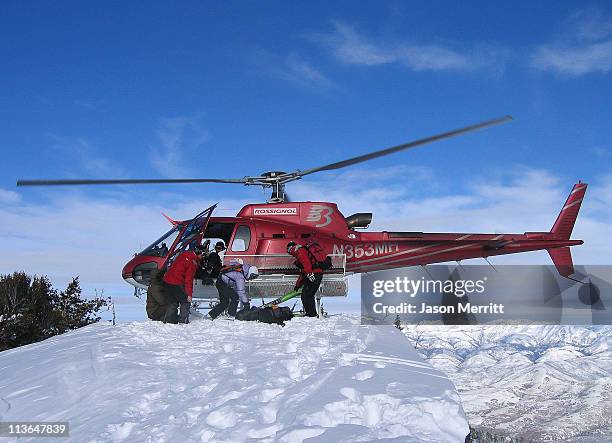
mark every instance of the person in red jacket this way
{"type": "Point", "coordinates": [310, 277]}
{"type": "Point", "coordinates": [179, 284]}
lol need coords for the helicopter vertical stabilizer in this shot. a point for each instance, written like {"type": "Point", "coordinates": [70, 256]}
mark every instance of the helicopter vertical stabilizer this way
{"type": "Point", "coordinates": [564, 224]}
{"type": "Point", "coordinates": [562, 258]}
{"type": "Point", "coordinates": [563, 227]}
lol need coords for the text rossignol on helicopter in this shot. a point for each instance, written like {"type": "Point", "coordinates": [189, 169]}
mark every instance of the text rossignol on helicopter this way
{"type": "Point", "coordinates": [260, 232]}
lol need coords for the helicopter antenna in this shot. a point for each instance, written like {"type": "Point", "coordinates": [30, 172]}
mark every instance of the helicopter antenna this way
{"type": "Point", "coordinates": [490, 264]}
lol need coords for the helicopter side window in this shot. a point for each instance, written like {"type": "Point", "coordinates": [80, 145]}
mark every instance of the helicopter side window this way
{"type": "Point", "coordinates": [242, 239]}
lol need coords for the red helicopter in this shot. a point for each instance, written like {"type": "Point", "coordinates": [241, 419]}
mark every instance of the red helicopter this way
{"type": "Point", "coordinates": [259, 232]}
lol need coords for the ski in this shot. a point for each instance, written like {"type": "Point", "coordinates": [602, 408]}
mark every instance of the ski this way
{"type": "Point", "coordinates": [283, 298]}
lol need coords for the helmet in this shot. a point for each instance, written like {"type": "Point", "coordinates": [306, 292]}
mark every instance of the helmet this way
{"type": "Point", "coordinates": [290, 246]}
{"type": "Point", "coordinates": [252, 273]}
{"type": "Point", "coordinates": [199, 249]}
{"type": "Point", "coordinates": [220, 244]}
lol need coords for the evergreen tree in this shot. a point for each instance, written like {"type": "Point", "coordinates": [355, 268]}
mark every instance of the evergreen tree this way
{"type": "Point", "coordinates": [32, 310]}
{"type": "Point", "coordinates": [398, 322]}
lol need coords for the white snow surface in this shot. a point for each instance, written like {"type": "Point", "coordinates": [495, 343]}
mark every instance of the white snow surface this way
{"type": "Point", "coordinates": [541, 383]}
{"type": "Point", "coordinates": [329, 380]}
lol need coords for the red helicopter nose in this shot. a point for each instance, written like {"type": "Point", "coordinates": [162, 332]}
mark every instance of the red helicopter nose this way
{"type": "Point", "coordinates": [137, 271]}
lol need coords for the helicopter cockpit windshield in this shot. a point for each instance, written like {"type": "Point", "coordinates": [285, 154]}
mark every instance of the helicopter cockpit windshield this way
{"type": "Point", "coordinates": [161, 246]}
{"type": "Point", "coordinates": [180, 237]}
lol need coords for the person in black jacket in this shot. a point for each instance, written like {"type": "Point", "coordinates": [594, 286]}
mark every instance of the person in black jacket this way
{"type": "Point", "coordinates": [213, 262]}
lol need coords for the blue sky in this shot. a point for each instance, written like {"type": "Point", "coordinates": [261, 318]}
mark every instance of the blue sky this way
{"type": "Point", "coordinates": [228, 89]}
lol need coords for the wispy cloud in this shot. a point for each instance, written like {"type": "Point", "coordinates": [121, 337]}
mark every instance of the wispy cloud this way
{"type": "Point", "coordinates": [89, 104]}
{"type": "Point", "coordinates": [7, 196]}
{"type": "Point", "coordinates": [179, 138]}
{"type": "Point", "coordinates": [585, 47]}
{"type": "Point", "coordinates": [292, 69]}
{"type": "Point", "coordinates": [574, 60]}
{"type": "Point", "coordinates": [589, 24]}
{"type": "Point", "coordinates": [347, 45]}
{"type": "Point", "coordinates": [87, 155]}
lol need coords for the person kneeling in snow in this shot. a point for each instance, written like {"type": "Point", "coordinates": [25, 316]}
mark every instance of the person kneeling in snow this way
{"type": "Point", "coordinates": [179, 284]}
{"type": "Point", "coordinates": [231, 285]}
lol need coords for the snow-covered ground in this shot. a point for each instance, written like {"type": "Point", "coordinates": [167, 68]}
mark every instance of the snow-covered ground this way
{"type": "Point", "coordinates": [541, 383]}
{"type": "Point", "coordinates": [326, 380]}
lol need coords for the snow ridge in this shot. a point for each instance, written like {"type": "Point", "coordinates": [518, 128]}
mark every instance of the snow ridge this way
{"type": "Point", "coordinates": [229, 381]}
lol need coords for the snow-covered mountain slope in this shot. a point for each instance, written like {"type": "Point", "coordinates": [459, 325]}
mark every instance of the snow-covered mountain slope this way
{"type": "Point", "coordinates": [541, 383]}
{"type": "Point", "coordinates": [328, 380]}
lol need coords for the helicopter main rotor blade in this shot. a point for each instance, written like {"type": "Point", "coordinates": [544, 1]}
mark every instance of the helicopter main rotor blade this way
{"type": "Point", "coordinates": [128, 181]}
{"type": "Point", "coordinates": [413, 144]}
{"type": "Point", "coordinates": [268, 180]}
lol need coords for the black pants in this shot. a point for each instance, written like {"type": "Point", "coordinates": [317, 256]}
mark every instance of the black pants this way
{"type": "Point", "coordinates": [228, 299]}
{"type": "Point", "coordinates": [308, 295]}
{"type": "Point", "coordinates": [176, 297]}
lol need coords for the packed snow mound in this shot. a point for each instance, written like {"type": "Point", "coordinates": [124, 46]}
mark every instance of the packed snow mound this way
{"type": "Point", "coordinates": [541, 383]}
{"type": "Point", "coordinates": [329, 380]}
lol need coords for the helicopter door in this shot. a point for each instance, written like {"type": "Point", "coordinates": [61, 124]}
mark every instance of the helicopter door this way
{"type": "Point", "coordinates": [191, 235]}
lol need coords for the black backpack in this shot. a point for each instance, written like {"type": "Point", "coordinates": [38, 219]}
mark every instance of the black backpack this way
{"type": "Point", "coordinates": [248, 314]}
{"type": "Point", "coordinates": [278, 315]}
